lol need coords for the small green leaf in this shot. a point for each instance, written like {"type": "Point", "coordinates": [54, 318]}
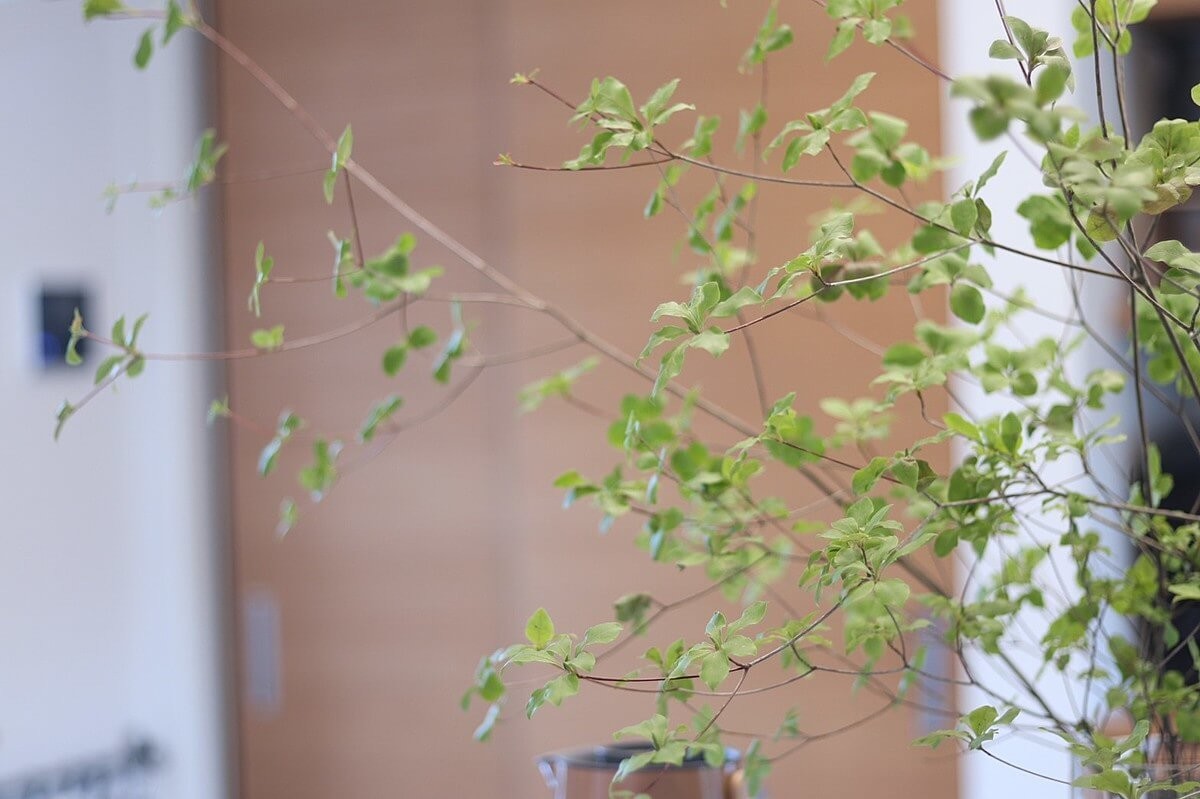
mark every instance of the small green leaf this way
{"type": "Point", "coordinates": [713, 341]}
{"type": "Point", "coordinates": [604, 633]}
{"type": "Point", "coordinates": [329, 184]}
{"type": "Point", "coordinates": [378, 415]}
{"type": "Point", "coordinates": [842, 39]}
{"type": "Point", "coordinates": [1010, 432]}
{"type": "Point", "coordinates": [345, 146]}
{"type": "Point", "coordinates": [106, 367]}
{"type": "Point", "coordinates": [288, 424]}
{"type": "Point", "coordinates": [903, 354]}
{"type": "Point", "coordinates": [451, 352]}
{"type": "Point", "coordinates": [145, 49]}
{"type": "Point", "coordinates": [118, 332]}
{"type": "Point", "coordinates": [1112, 782]}
{"type": "Point", "coordinates": [263, 264]}
{"type": "Point", "coordinates": [219, 409]}
{"type": "Point", "coordinates": [484, 731]}
{"type": "Point", "coordinates": [539, 630]}
{"type": "Point", "coordinates": [714, 669]}
{"type": "Point", "coordinates": [341, 154]}
{"type": "Point", "coordinates": [991, 171]}
{"type": "Point", "coordinates": [65, 411]}
{"type": "Point", "coordinates": [1002, 49]}
{"type": "Point", "coordinates": [101, 8]}
{"type": "Point", "coordinates": [964, 214]}
{"type": "Point", "coordinates": [394, 358]}
{"type": "Point", "coordinates": [77, 333]}
{"type": "Point", "coordinates": [1051, 83]}
{"type": "Point", "coordinates": [966, 302]}
{"type": "Point", "coordinates": [268, 339]}
{"type": "Point", "coordinates": [961, 426]}
{"type": "Point", "coordinates": [421, 337]}
{"type": "Point", "coordinates": [738, 300]}
{"type": "Point", "coordinates": [1185, 591]}
{"type": "Point", "coordinates": [137, 329]}
{"type": "Point", "coordinates": [288, 515]}
{"type": "Point", "coordinates": [176, 21]}
{"type": "Point", "coordinates": [320, 475]}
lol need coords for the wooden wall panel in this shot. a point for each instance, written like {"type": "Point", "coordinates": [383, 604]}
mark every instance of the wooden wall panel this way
{"type": "Point", "coordinates": [441, 547]}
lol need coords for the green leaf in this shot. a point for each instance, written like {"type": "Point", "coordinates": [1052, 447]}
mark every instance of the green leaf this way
{"type": "Point", "coordinates": [1185, 591]}
{"type": "Point", "coordinates": [676, 309]}
{"type": "Point", "coordinates": [106, 367]}
{"type": "Point", "coordinates": [394, 358]}
{"type": "Point", "coordinates": [145, 49]}
{"type": "Point", "coordinates": [1051, 82]}
{"type": "Point", "coordinates": [903, 354]}
{"type": "Point", "coordinates": [176, 21]}
{"type": "Point", "coordinates": [451, 351]}
{"type": "Point", "coordinates": [1002, 49]}
{"type": "Point", "coordinates": [1111, 781]}
{"type": "Point", "coordinates": [714, 669]}
{"type": "Point", "coordinates": [634, 608]}
{"type": "Point", "coordinates": [118, 332]}
{"type": "Point", "coordinates": [341, 154]}
{"type": "Point", "coordinates": [319, 476]}
{"type": "Point", "coordinates": [219, 409]}
{"type": "Point", "coordinates": [288, 424]}
{"type": "Point", "coordinates": [342, 256]}
{"type": "Point", "coordinates": [262, 275]}
{"type": "Point", "coordinates": [288, 515]}
{"type": "Point", "coordinates": [539, 630]}
{"type": "Point", "coordinates": [101, 8]}
{"type": "Point", "coordinates": [961, 426]}
{"type": "Point", "coordinates": [345, 145]}
{"type": "Point", "coordinates": [754, 613]}
{"type": "Point", "coordinates": [713, 341]}
{"type": "Point", "coordinates": [329, 184]}
{"type": "Point", "coordinates": [865, 478]}
{"type": "Point", "coordinates": [963, 215]}
{"type": "Point", "coordinates": [967, 303]}
{"type": "Point", "coordinates": [668, 333]}
{"type": "Point", "coordinates": [65, 411]}
{"type": "Point", "coordinates": [987, 122]}
{"type": "Point", "coordinates": [1010, 432]}
{"type": "Point", "coordinates": [842, 39]}
{"type": "Point", "coordinates": [1168, 252]}
{"type": "Point", "coordinates": [876, 31]}
{"type": "Point", "coordinates": [756, 767]}
{"type": "Point", "coordinates": [990, 172]}
{"type": "Point", "coordinates": [421, 337]}
{"type": "Point", "coordinates": [736, 301]}
{"type": "Point", "coordinates": [604, 633]}
{"type": "Point", "coordinates": [137, 329]}
{"type": "Point", "coordinates": [484, 731]}
{"type": "Point", "coordinates": [379, 414]}
{"type": "Point", "coordinates": [656, 110]}
{"type": "Point", "coordinates": [750, 124]}
{"type": "Point", "coordinates": [203, 169]}
{"type": "Point", "coordinates": [77, 332]}
{"type": "Point", "coordinates": [268, 339]}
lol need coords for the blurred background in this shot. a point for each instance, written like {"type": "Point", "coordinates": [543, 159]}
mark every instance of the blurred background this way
{"type": "Point", "coordinates": [159, 638]}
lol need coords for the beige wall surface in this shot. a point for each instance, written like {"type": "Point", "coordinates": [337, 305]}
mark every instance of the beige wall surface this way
{"type": "Point", "coordinates": [435, 550]}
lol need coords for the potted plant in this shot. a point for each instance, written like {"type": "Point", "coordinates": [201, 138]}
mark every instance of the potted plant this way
{"type": "Point", "coordinates": [1042, 539]}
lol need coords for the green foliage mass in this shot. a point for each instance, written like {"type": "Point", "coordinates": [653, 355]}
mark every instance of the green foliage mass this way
{"type": "Point", "coordinates": [860, 589]}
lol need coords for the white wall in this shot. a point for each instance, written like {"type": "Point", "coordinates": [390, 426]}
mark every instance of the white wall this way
{"type": "Point", "coordinates": [109, 539]}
